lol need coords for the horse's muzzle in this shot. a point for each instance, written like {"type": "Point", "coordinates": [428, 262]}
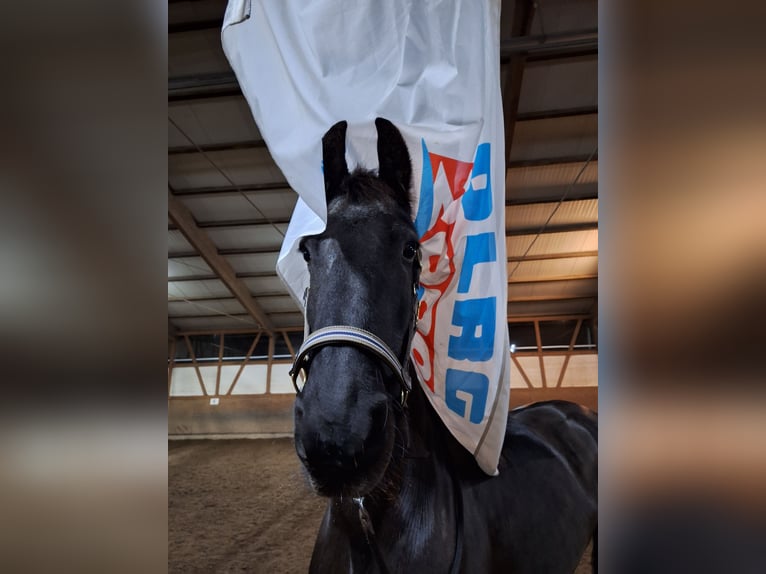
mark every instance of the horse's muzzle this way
{"type": "Point", "coordinates": [341, 460]}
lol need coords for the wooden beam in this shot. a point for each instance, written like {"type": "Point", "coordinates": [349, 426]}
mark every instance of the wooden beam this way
{"type": "Point", "coordinates": [579, 192]}
{"type": "Point", "coordinates": [289, 344]}
{"type": "Point", "coordinates": [556, 352]}
{"type": "Point", "coordinates": [570, 54]}
{"type": "Point", "coordinates": [549, 256]}
{"type": "Point", "coordinates": [244, 275]}
{"type": "Point", "coordinates": [214, 314]}
{"type": "Point", "coordinates": [558, 44]}
{"type": "Point", "coordinates": [544, 318]}
{"type": "Point", "coordinates": [555, 114]}
{"type": "Point", "coordinates": [230, 223]}
{"type": "Point", "coordinates": [183, 218]}
{"type": "Point", "coordinates": [543, 161]}
{"type": "Point", "coordinates": [564, 228]}
{"type": "Point", "coordinates": [220, 364]}
{"type": "Point", "coordinates": [195, 365]}
{"type": "Point", "coordinates": [232, 251]}
{"type": "Point", "coordinates": [227, 146]}
{"type": "Point", "coordinates": [539, 298]}
{"type": "Point", "coordinates": [171, 361]}
{"type": "Point", "coordinates": [523, 13]}
{"type": "Point", "coordinates": [191, 299]}
{"type": "Point", "coordinates": [569, 355]}
{"type": "Point", "coordinates": [244, 363]}
{"type": "Point", "coordinates": [539, 341]}
{"type": "Point", "coordinates": [200, 86]}
{"type": "Point", "coordinates": [269, 364]}
{"type": "Point", "coordinates": [243, 331]}
{"type": "Point", "coordinates": [552, 279]}
{"type": "Point", "coordinates": [226, 298]}
{"type": "Point", "coordinates": [230, 189]}
{"type": "Point", "coordinates": [521, 370]}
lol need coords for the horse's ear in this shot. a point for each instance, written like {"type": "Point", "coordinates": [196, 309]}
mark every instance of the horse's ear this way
{"type": "Point", "coordinates": [394, 159]}
{"type": "Point", "coordinates": [334, 158]}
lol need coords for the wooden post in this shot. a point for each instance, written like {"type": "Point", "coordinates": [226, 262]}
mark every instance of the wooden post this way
{"type": "Point", "coordinates": [244, 363]}
{"type": "Point", "coordinates": [196, 366]}
{"type": "Point", "coordinates": [521, 370]}
{"type": "Point", "coordinates": [220, 364]}
{"type": "Point", "coordinates": [569, 354]}
{"type": "Point", "coordinates": [289, 344]}
{"type": "Point", "coordinates": [271, 361]}
{"type": "Point", "coordinates": [171, 361]}
{"type": "Point", "coordinates": [540, 353]}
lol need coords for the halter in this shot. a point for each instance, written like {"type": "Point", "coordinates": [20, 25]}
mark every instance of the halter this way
{"type": "Point", "coordinates": [355, 337]}
{"type": "Point", "coordinates": [361, 338]}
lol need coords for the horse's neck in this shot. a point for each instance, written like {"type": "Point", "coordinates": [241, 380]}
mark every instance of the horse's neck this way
{"type": "Point", "coordinates": [427, 460]}
{"type": "Point", "coordinates": [428, 436]}
{"type": "Point", "coordinates": [415, 508]}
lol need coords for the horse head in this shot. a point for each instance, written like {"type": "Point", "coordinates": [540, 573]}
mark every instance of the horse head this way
{"type": "Point", "coordinates": [363, 272]}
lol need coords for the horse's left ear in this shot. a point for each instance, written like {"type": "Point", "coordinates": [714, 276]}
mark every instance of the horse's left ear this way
{"type": "Point", "coordinates": [394, 158]}
{"type": "Point", "coordinates": [334, 159]}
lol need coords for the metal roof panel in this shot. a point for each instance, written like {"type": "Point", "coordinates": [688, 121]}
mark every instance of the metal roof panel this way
{"type": "Point", "coordinates": [555, 137]}
{"type": "Point", "coordinates": [551, 243]}
{"type": "Point", "coordinates": [196, 289]}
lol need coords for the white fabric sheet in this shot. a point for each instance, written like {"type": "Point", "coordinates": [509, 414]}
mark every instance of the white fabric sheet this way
{"type": "Point", "coordinates": [432, 68]}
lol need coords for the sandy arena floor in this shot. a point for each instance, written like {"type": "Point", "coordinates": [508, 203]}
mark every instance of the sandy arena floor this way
{"type": "Point", "coordinates": [242, 506]}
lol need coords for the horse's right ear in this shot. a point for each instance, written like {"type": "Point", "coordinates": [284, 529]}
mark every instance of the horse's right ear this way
{"type": "Point", "coordinates": [334, 158]}
{"type": "Point", "coordinates": [394, 158]}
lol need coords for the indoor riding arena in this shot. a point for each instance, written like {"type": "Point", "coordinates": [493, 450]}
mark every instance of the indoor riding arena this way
{"type": "Point", "coordinates": [239, 499]}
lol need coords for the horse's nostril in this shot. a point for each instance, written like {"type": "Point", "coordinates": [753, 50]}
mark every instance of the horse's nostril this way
{"type": "Point", "coordinates": [298, 412]}
{"type": "Point", "coordinates": [300, 449]}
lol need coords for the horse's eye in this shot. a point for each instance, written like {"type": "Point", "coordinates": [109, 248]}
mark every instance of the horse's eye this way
{"type": "Point", "coordinates": [305, 253]}
{"type": "Point", "coordinates": [410, 250]}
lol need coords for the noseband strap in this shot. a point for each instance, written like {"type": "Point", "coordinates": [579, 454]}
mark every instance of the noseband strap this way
{"type": "Point", "coordinates": [355, 337]}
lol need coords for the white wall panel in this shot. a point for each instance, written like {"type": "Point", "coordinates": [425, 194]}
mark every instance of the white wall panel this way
{"type": "Point", "coordinates": [209, 374]}
{"type": "Point", "coordinates": [553, 366]}
{"type": "Point", "coordinates": [280, 379]}
{"type": "Point", "coordinates": [531, 366]}
{"type": "Point", "coordinates": [184, 382]}
{"type": "Point", "coordinates": [228, 372]}
{"type": "Point", "coordinates": [582, 371]}
{"type": "Point", "coordinates": [252, 381]}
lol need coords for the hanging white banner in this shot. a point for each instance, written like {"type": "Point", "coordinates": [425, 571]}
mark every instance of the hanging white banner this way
{"type": "Point", "coordinates": [432, 68]}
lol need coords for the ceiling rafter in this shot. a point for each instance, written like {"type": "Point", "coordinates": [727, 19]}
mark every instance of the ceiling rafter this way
{"type": "Point", "coordinates": [230, 189]}
{"type": "Point", "coordinates": [245, 275]}
{"type": "Point", "coordinates": [539, 298]}
{"type": "Point", "coordinates": [183, 218]}
{"type": "Point", "coordinates": [550, 256]}
{"type": "Point", "coordinates": [564, 228]}
{"type": "Point", "coordinates": [551, 279]}
{"type": "Point", "coordinates": [523, 14]}
{"type": "Point", "coordinates": [543, 161]}
{"type": "Point", "coordinates": [216, 147]}
{"type": "Point", "coordinates": [556, 114]}
{"type": "Point", "coordinates": [550, 318]}
{"type": "Point", "coordinates": [232, 251]}
{"type": "Point", "coordinates": [581, 193]}
{"type": "Point", "coordinates": [224, 223]}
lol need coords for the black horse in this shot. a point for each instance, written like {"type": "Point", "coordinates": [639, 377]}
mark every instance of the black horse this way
{"type": "Point", "coordinates": [404, 495]}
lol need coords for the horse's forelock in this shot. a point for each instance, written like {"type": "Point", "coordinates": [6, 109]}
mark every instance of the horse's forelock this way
{"type": "Point", "coordinates": [364, 187]}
